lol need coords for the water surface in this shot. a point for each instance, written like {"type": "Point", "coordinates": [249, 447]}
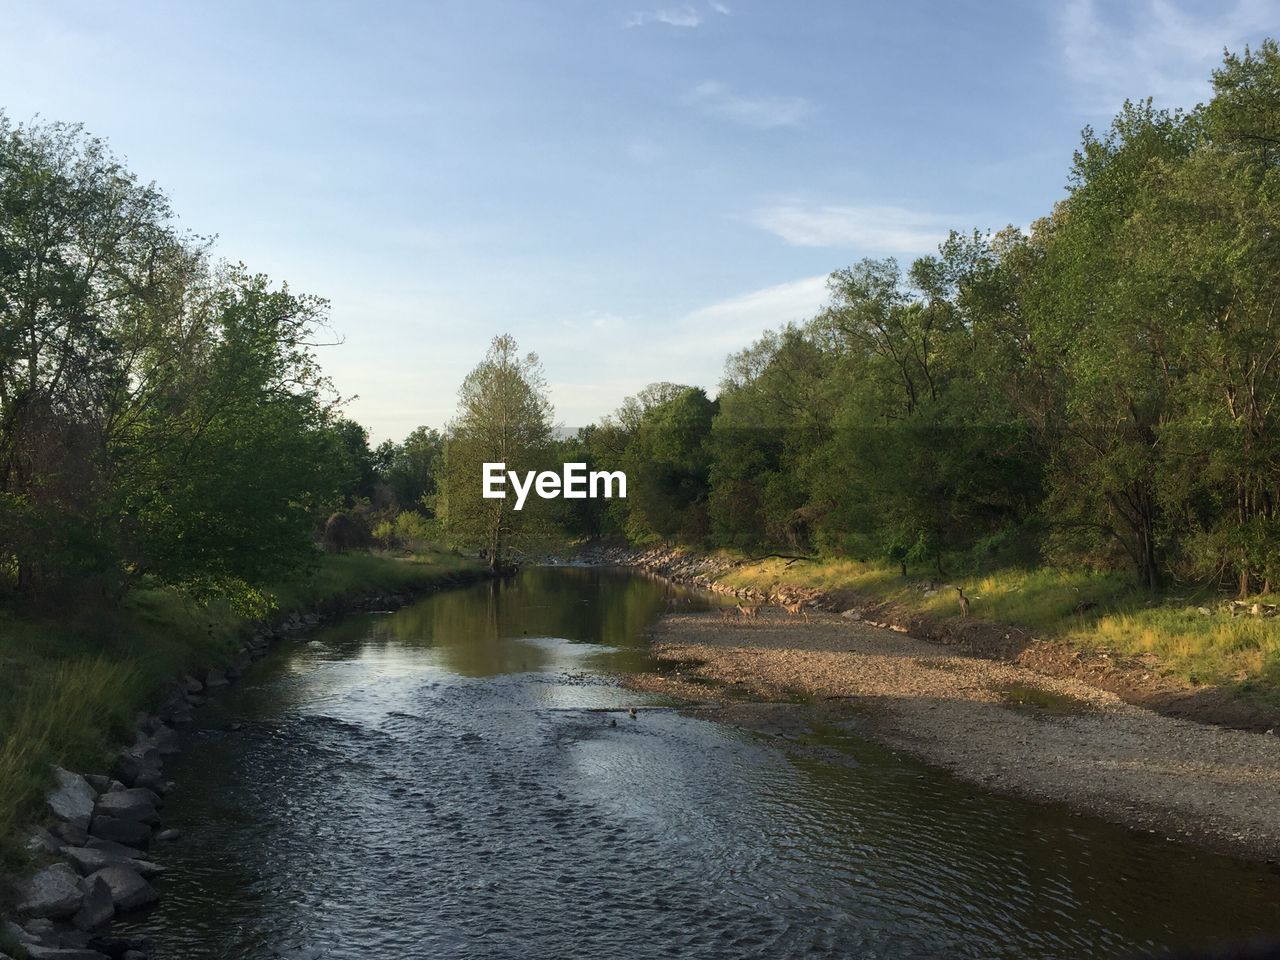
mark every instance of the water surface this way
{"type": "Point", "coordinates": [444, 782]}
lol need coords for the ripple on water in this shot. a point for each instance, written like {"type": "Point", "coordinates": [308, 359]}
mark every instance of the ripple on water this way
{"type": "Point", "coordinates": [431, 784]}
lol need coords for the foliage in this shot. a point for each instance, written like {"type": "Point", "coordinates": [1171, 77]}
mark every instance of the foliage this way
{"type": "Point", "coordinates": [1101, 390]}
{"type": "Point", "coordinates": [71, 685]}
{"type": "Point", "coordinates": [159, 416]}
{"type": "Point", "coordinates": [504, 416]}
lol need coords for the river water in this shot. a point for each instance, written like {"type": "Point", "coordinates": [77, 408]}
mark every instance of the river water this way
{"type": "Point", "coordinates": [444, 782]}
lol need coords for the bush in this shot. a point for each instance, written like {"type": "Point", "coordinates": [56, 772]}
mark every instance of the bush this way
{"type": "Point", "coordinates": [406, 530]}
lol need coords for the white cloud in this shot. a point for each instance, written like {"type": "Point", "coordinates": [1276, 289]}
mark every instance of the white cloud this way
{"type": "Point", "coordinates": [1160, 50]}
{"type": "Point", "coordinates": [762, 112]}
{"type": "Point", "coordinates": [671, 16]}
{"type": "Point", "coordinates": [720, 8]}
{"type": "Point", "coordinates": [690, 348]}
{"type": "Point", "coordinates": [872, 229]}
{"type": "Point", "coordinates": [732, 324]}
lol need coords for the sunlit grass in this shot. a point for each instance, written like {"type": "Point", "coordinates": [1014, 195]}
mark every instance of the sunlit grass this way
{"type": "Point", "coordinates": [1095, 610]}
{"type": "Point", "coordinates": [70, 686]}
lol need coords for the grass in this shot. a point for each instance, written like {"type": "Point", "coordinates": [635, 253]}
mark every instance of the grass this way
{"type": "Point", "coordinates": [1091, 609]}
{"type": "Point", "coordinates": [71, 687]}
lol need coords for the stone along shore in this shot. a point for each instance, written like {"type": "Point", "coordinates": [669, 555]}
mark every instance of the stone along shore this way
{"type": "Point", "coordinates": [98, 848]}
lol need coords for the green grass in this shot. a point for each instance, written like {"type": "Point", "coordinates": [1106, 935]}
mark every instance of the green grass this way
{"type": "Point", "coordinates": [70, 687]}
{"type": "Point", "coordinates": [1091, 609]}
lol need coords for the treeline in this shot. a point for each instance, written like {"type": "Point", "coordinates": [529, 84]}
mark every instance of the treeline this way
{"type": "Point", "coordinates": [162, 416]}
{"type": "Point", "coordinates": [1099, 390]}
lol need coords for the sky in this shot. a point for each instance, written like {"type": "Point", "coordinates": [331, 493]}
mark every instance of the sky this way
{"type": "Point", "coordinates": [633, 190]}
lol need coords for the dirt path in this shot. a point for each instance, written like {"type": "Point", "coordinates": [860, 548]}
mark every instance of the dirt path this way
{"type": "Point", "coordinates": [1001, 725]}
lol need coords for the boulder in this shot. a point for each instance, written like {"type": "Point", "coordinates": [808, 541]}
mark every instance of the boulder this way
{"type": "Point", "coordinates": [64, 953]}
{"type": "Point", "coordinates": [175, 708]}
{"type": "Point", "coordinates": [136, 760]}
{"type": "Point", "coordinates": [99, 782]}
{"type": "Point", "coordinates": [40, 840]}
{"type": "Point", "coordinates": [154, 781]}
{"type": "Point", "coordinates": [117, 849]}
{"type": "Point", "coordinates": [137, 803]}
{"type": "Point", "coordinates": [98, 907]}
{"type": "Point", "coordinates": [17, 934]}
{"type": "Point", "coordinates": [120, 947]}
{"type": "Point", "coordinates": [72, 800]}
{"type": "Point", "coordinates": [165, 740]}
{"type": "Point", "coordinates": [53, 892]}
{"type": "Point", "coordinates": [69, 833]}
{"type": "Point", "coordinates": [87, 860]}
{"type": "Point", "coordinates": [167, 836]}
{"type": "Point", "coordinates": [215, 678]}
{"type": "Point", "coordinates": [133, 833]}
{"type": "Point", "coordinates": [128, 888]}
{"type": "Point", "coordinates": [148, 868]}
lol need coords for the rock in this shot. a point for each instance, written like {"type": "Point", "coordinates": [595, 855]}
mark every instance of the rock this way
{"type": "Point", "coordinates": [1204, 611]}
{"type": "Point", "coordinates": [18, 934]}
{"type": "Point", "coordinates": [134, 833]}
{"type": "Point", "coordinates": [165, 740]}
{"type": "Point", "coordinates": [87, 860]}
{"type": "Point", "coordinates": [52, 892]}
{"type": "Point", "coordinates": [41, 840]}
{"type": "Point", "coordinates": [128, 889]}
{"type": "Point", "coordinates": [98, 782]}
{"type": "Point", "coordinates": [114, 848]}
{"type": "Point", "coordinates": [137, 803]}
{"type": "Point", "coordinates": [149, 869]}
{"type": "Point", "coordinates": [64, 953]}
{"type": "Point", "coordinates": [174, 708]}
{"type": "Point", "coordinates": [154, 781]}
{"type": "Point", "coordinates": [72, 800]}
{"type": "Point", "coordinates": [191, 685]}
{"type": "Point", "coordinates": [98, 907]}
{"type": "Point", "coordinates": [118, 947]}
{"type": "Point", "coordinates": [137, 760]}
{"type": "Point", "coordinates": [215, 678]}
{"type": "Point", "coordinates": [39, 930]}
{"type": "Point", "coordinates": [852, 614]}
{"type": "Point", "coordinates": [166, 836]}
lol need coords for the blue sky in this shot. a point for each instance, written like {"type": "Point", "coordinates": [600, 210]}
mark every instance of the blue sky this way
{"type": "Point", "coordinates": [632, 189]}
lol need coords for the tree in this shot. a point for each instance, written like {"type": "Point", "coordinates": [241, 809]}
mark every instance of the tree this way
{"type": "Point", "coordinates": [667, 465]}
{"type": "Point", "coordinates": [412, 469]}
{"type": "Point", "coordinates": [504, 416]}
{"type": "Point", "coordinates": [158, 416]}
{"type": "Point", "coordinates": [221, 482]}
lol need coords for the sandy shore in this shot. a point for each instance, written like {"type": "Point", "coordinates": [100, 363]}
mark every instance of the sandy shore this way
{"type": "Point", "coordinates": [1000, 725]}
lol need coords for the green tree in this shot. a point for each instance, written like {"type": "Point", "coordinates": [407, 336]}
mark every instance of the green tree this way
{"type": "Point", "coordinates": [504, 416]}
{"type": "Point", "coordinates": [412, 469]}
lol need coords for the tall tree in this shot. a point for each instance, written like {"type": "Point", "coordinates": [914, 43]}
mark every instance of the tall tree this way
{"type": "Point", "coordinates": [504, 416]}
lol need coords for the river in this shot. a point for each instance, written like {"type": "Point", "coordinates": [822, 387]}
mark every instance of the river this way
{"type": "Point", "coordinates": [461, 778]}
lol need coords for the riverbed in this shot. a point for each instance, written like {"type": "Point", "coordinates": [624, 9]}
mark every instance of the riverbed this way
{"type": "Point", "coordinates": [463, 778]}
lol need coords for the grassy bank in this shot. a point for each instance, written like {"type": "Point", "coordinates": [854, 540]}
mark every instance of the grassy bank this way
{"type": "Point", "coordinates": [70, 687]}
{"type": "Point", "coordinates": [1095, 611]}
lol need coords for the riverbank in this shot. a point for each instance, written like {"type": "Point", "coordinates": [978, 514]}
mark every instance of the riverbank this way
{"type": "Point", "coordinates": [1194, 658]}
{"type": "Point", "coordinates": [999, 725]}
{"type": "Point", "coordinates": [71, 687]}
